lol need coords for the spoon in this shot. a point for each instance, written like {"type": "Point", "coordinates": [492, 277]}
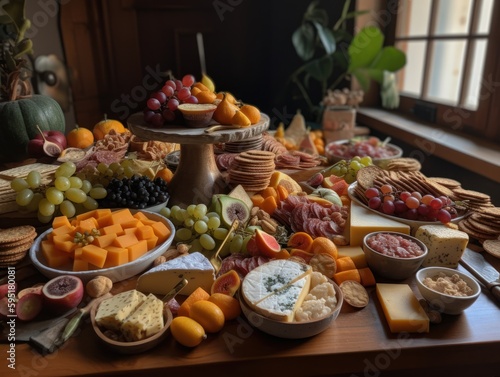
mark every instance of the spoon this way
{"type": "Point", "coordinates": [51, 149]}
{"type": "Point", "coordinates": [216, 260]}
{"type": "Point", "coordinates": [386, 141]}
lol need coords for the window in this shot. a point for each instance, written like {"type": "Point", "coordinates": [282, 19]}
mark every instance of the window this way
{"type": "Point", "coordinates": [452, 62]}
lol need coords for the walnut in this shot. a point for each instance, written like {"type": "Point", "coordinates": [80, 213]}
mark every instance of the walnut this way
{"type": "Point", "coordinates": [159, 260]}
{"type": "Point", "coordinates": [98, 286]}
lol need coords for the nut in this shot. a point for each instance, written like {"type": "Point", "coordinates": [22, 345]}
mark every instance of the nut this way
{"type": "Point", "coordinates": [98, 286]}
{"type": "Point", "coordinates": [159, 260]}
{"type": "Point", "coordinates": [261, 214]}
{"type": "Point", "coordinates": [253, 221]}
{"type": "Point", "coordinates": [339, 240]}
{"type": "Point", "coordinates": [253, 211]}
{"type": "Point", "coordinates": [267, 226]}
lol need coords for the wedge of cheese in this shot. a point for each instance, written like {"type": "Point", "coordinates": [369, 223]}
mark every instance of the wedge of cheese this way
{"type": "Point", "coordinates": [145, 321]}
{"type": "Point", "coordinates": [277, 289]}
{"type": "Point", "coordinates": [194, 267]}
{"type": "Point", "coordinates": [401, 308]}
{"type": "Point", "coordinates": [113, 311]}
{"type": "Point", "coordinates": [356, 253]}
{"type": "Point", "coordinates": [364, 221]}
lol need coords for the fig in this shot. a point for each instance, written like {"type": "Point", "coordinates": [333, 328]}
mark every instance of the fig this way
{"type": "Point", "coordinates": [29, 306]}
{"type": "Point", "coordinates": [231, 209]}
{"type": "Point", "coordinates": [267, 244]}
{"type": "Point", "coordinates": [63, 293]}
{"type": "Point", "coordinates": [36, 289]}
{"type": "Point", "coordinates": [227, 283]}
{"type": "Point", "coordinates": [315, 180]}
{"type": "Point", "coordinates": [5, 288]}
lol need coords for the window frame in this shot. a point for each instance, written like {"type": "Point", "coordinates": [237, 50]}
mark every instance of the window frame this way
{"type": "Point", "coordinates": [481, 122]}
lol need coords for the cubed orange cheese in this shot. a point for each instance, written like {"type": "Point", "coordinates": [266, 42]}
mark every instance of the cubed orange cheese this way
{"type": "Point", "coordinates": [152, 242]}
{"type": "Point", "coordinates": [125, 240]}
{"type": "Point", "coordinates": [356, 253]}
{"type": "Point", "coordinates": [65, 229]}
{"type": "Point", "coordinates": [104, 240]}
{"type": "Point", "coordinates": [59, 221]}
{"type": "Point", "coordinates": [87, 225]}
{"type": "Point", "coordinates": [85, 215]}
{"type": "Point", "coordinates": [136, 250]}
{"type": "Point", "coordinates": [55, 258]}
{"type": "Point", "coordinates": [77, 253]}
{"type": "Point", "coordinates": [345, 263]}
{"type": "Point", "coordinates": [100, 212]}
{"type": "Point", "coordinates": [112, 229]}
{"type": "Point", "coordinates": [94, 254]}
{"type": "Point", "coordinates": [132, 224]}
{"type": "Point", "coordinates": [64, 243]}
{"type": "Point", "coordinates": [144, 232]}
{"type": "Point", "coordinates": [129, 231]}
{"type": "Point", "coordinates": [105, 220]}
{"type": "Point", "coordinates": [80, 265]}
{"type": "Point", "coordinates": [121, 216]}
{"type": "Point", "coordinates": [116, 256]}
{"type": "Point", "coordinates": [161, 231]}
{"type": "Point", "coordinates": [140, 216]}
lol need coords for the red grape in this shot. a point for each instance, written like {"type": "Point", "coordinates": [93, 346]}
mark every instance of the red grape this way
{"type": "Point", "coordinates": [191, 99]}
{"type": "Point", "coordinates": [400, 206]}
{"type": "Point", "coordinates": [389, 197]}
{"type": "Point", "coordinates": [426, 199]}
{"type": "Point", "coordinates": [423, 210]}
{"type": "Point", "coordinates": [372, 192]}
{"type": "Point", "coordinates": [412, 202]}
{"type": "Point", "coordinates": [411, 214]}
{"type": "Point", "coordinates": [388, 207]}
{"type": "Point", "coordinates": [157, 120]}
{"type": "Point", "coordinates": [168, 115]}
{"type": "Point", "coordinates": [178, 85]}
{"type": "Point", "coordinates": [374, 203]}
{"type": "Point", "coordinates": [386, 189]}
{"type": "Point", "coordinates": [404, 195]}
{"type": "Point", "coordinates": [436, 203]}
{"type": "Point", "coordinates": [417, 195]}
{"type": "Point", "coordinates": [443, 216]}
{"type": "Point", "coordinates": [171, 83]}
{"type": "Point", "coordinates": [153, 104]}
{"type": "Point", "coordinates": [184, 94]}
{"type": "Point", "coordinates": [160, 96]}
{"type": "Point", "coordinates": [188, 80]}
{"type": "Point", "coordinates": [172, 104]}
{"type": "Point", "coordinates": [148, 115]}
{"type": "Point", "coordinates": [168, 90]}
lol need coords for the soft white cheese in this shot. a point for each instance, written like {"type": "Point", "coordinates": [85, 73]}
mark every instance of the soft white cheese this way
{"type": "Point", "coordinates": [113, 311]}
{"type": "Point", "coordinates": [194, 267]}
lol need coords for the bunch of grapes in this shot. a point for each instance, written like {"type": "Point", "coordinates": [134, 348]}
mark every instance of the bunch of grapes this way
{"type": "Point", "coordinates": [348, 169]}
{"type": "Point", "coordinates": [203, 230]}
{"type": "Point", "coordinates": [411, 205]}
{"type": "Point", "coordinates": [161, 106]}
{"type": "Point", "coordinates": [67, 194]}
{"type": "Point", "coordinates": [103, 173]}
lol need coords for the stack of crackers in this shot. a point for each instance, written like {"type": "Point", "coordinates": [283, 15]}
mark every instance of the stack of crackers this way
{"type": "Point", "coordinates": [482, 224]}
{"type": "Point", "coordinates": [252, 169]}
{"type": "Point", "coordinates": [15, 243]}
{"type": "Point", "coordinates": [404, 164]}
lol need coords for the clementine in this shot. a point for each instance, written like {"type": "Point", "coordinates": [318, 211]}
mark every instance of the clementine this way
{"type": "Point", "coordinates": [324, 245]}
{"type": "Point", "coordinates": [80, 137]}
{"type": "Point", "coordinates": [102, 128]}
{"type": "Point", "coordinates": [252, 113]}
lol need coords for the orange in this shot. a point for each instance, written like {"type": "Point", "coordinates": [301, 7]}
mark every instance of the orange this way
{"type": "Point", "coordinates": [198, 294]}
{"type": "Point", "coordinates": [240, 119]}
{"type": "Point", "coordinates": [224, 112]}
{"type": "Point", "coordinates": [324, 245]}
{"type": "Point", "coordinates": [80, 137]}
{"type": "Point", "coordinates": [229, 97]}
{"type": "Point", "coordinates": [208, 315]}
{"type": "Point", "coordinates": [229, 305]}
{"type": "Point", "coordinates": [200, 86]}
{"type": "Point", "coordinates": [166, 174]}
{"type": "Point", "coordinates": [103, 128]}
{"type": "Point", "coordinates": [300, 240]}
{"type": "Point", "coordinates": [205, 96]}
{"type": "Point", "coordinates": [252, 113]}
{"type": "Point", "coordinates": [195, 91]}
{"type": "Point", "coordinates": [187, 331]}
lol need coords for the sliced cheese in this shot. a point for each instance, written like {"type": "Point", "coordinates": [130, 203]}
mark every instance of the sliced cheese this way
{"type": "Point", "coordinates": [364, 221]}
{"type": "Point", "coordinates": [194, 267]}
{"type": "Point", "coordinates": [445, 245]}
{"type": "Point", "coordinates": [401, 308]}
{"type": "Point", "coordinates": [356, 253]}
{"type": "Point", "coordinates": [145, 321]}
{"type": "Point", "coordinates": [113, 311]}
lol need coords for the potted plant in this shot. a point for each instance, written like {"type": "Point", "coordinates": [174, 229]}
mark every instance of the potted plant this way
{"type": "Point", "coordinates": [21, 111]}
{"type": "Point", "coordinates": [333, 56]}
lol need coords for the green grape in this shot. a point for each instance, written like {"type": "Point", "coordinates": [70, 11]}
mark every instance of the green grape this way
{"type": "Point", "coordinates": [102, 167]}
{"type": "Point", "coordinates": [190, 209]}
{"type": "Point", "coordinates": [355, 165]}
{"type": "Point", "coordinates": [236, 244]}
{"type": "Point", "coordinates": [54, 195]}
{"type": "Point", "coordinates": [207, 242]}
{"type": "Point", "coordinates": [62, 183]}
{"type": "Point", "coordinates": [34, 179]}
{"type": "Point", "coordinates": [66, 169]}
{"type": "Point", "coordinates": [119, 172]}
{"type": "Point", "coordinates": [86, 186]}
{"type": "Point", "coordinates": [200, 227]}
{"type": "Point", "coordinates": [245, 242]}
{"type": "Point", "coordinates": [114, 166]}
{"type": "Point", "coordinates": [75, 182]}
{"type": "Point", "coordinates": [46, 208]}
{"type": "Point", "coordinates": [212, 214]}
{"type": "Point", "coordinates": [24, 197]}
{"type": "Point", "coordinates": [189, 222]}
{"type": "Point", "coordinates": [366, 160]}
{"type": "Point", "coordinates": [173, 210]}
{"type": "Point", "coordinates": [44, 219]}
{"type": "Point", "coordinates": [181, 215]}
{"type": "Point", "coordinates": [195, 246]}
{"type": "Point", "coordinates": [213, 222]}
{"type": "Point", "coordinates": [183, 234]}
{"type": "Point", "coordinates": [350, 176]}
{"type": "Point", "coordinates": [128, 172]}
{"type": "Point", "coordinates": [90, 203]}
{"type": "Point", "coordinates": [98, 192]}
{"type": "Point", "coordinates": [220, 233]}
{"type": "Point", "coordinates": [200, 211]}
{"type": "Point", "coordinates": [19, 184]}
{"type": "Point", "coordinates": [356, 158]}
{"type": "Point", "coordinates": [75, 195]}
{"type": "Point", "coordinates": [32, 206]}
{"type": "Point", "coordinates": [109, 173]}
{"type": "Point", "coordinates": [337, 171]}
{"type": "Point", "coordinates": [165, 211]}
{"type": "Point", "coordinates": [67, 208]}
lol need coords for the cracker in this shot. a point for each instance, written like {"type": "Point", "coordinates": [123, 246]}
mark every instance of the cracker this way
{"type": "Point", "coordinates": [471, 194]}
{"type": "Point", "coordinates": [16, 233]}
{"type": "Point", "coordinates": [354, 293]}
{"type": "Point", "coordinates": [8, 245]}
{"type": "Point", "coordinates": [492, 247]}
{"type": "Point", "coordinates": [448, 182]}
{"type": "Point", "coordinates": [23, 171]}
{"type": "Point", "coordinates": [324, 263]}
{"type": "Point", "coordinates": [15, 249]}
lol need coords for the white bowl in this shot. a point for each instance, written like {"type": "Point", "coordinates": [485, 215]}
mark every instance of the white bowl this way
{"type": "Point", "coordinates": [447, 304]}
{"type": "Point", "coordinates": [292, 330]}
{"type": "Point", "coordinates": [391, 267]}
{"type": "Point", "coordinates": [116, 274]}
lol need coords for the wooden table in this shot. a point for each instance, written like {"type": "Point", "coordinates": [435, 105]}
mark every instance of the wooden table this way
{"type": "Point", "coordinates": [357, 344]}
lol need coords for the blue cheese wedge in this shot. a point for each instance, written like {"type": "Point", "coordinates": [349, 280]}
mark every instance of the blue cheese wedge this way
{"type": "Point", "coordinates": [276, 289]}
{"type": "Point", "coordinates": [445, 245]}
{"type": "Point", "coordinates": [113, 311]}
{"type": "Point", "coordinates": [194, 267]}
{"type": "Point", "coordinates": [145, 321]}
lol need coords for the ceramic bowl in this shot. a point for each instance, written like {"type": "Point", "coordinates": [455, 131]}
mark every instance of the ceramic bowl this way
{"type": "Point", "coordinates": [132, 347]}
{"type": "Point", "coordinates": [292, 330]}
{"type": "Point", "coordinates": [392, 267]}
{"type": "Point", "coordinates": [197, 115]}
{"type": "Point", "coordinates": [444, 303]}
{"type": "Point", "coordinates": [118, 273]}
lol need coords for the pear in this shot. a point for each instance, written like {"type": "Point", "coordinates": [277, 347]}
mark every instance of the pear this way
{"type": "Point", "coordinates": [208, 82]}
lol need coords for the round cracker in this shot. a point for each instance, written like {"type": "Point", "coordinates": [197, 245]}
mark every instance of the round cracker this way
{"type": "Point", "coordinates": [16, 249]}
{"type": "Point", "coordinates": [16, 233]}
{"type": "Point", "coordinates": [354, 293]}
{"type": "Point", "coordinates": [17, 243]}
{"type": "Point", "coordinates": [492, 247]}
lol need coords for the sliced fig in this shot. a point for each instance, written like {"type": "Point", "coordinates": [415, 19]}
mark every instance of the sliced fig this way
{"type": "Point", "coordinates": [37, 289]}
{"type": "Point", "coordinates": [227, 283]}
{"type": "Point", "coordinates": [267, 244]}
{"type": "Point", "coordinates": [63, 293]}
{"type": "Point", "coordinates": [233, 209]}
{"type": "Point", "coordinates": [29, 306]}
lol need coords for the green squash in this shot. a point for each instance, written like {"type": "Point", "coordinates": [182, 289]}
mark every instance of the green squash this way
{"type": "Point", "coordinates": [18, 121]}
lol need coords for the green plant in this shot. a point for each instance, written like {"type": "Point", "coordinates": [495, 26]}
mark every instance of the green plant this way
{"type": "Point", "coordinates": [332, 54]}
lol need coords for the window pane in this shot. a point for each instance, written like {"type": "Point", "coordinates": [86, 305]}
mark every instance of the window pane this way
{"type": "Point", "coordinates": [475, 75]}
{"type": "Point", "coordinates": [485, 16]}
{"type": "Point", "coordinates": [453, 17]}
{"type": "Point", "coordinates": [446, 70]}
{"type": "Point", "coordinates": [410, 78]}
{"type": "Point", "coordinates": [413, 19]}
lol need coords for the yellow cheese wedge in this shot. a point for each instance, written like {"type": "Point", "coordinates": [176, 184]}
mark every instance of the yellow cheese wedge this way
{"type": "Point", "coordinates": [356, 253]}
{"type": "Point", "coordinates": [364, 221]}
{"type": "Point", "coordinates": [402, 309]}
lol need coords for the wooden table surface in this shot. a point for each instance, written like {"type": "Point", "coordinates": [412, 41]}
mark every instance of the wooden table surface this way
{"type": "Point", "coordinates": [358, 343]}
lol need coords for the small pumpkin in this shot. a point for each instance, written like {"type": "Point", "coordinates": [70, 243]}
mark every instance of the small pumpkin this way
{"type": "Point", "coordinates": [102, 128]}
{"type": "Point", "coordinates": [19, 120]}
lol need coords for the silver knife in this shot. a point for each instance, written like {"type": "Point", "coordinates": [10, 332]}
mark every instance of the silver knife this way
{"type": "Point", "coordinates": [475, 263]}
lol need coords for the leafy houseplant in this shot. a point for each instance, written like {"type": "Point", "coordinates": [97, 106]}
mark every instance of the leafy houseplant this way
{"type": "Point", "coordinates": [332, 55]}
{"type": "Point", "coordinates": [21, 111]}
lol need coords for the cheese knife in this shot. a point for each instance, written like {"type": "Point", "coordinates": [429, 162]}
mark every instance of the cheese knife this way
{"type": "Point", "coordinates": [475, 263]}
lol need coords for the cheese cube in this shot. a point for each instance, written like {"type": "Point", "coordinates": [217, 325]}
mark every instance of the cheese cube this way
{"type": "Point", "coordinates": [113, 311]}
{"type": "Point", "coordinates": [401, 308]}
{"type": "Point", "coordinates": [445, 245]}
{"type": "Point", "coordinates": [145, 321]}
{"type": "Point", "coordinates": [195, 267]}
{"type": "Point", "coordinates": [356, 253]}
{"type": "Point", "coordinates": [364, 221]}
